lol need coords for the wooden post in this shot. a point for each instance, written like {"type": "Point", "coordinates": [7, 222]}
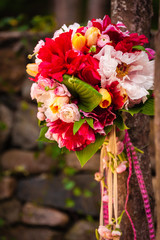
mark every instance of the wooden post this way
{"type": "Point", "coordinates": [157, 126]}
{"type": "Point", "coordinates": [136, 15]}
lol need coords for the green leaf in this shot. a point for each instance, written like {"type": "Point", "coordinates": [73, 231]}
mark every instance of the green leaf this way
{"type": "Point", "coordinates": [133, 110]}
{"type": "Point", "coordinates": [90, 122]}
{"type": "Point", "coordinates": [88, 97]}
{"type": "Point", "coordinates": [77, 125]}
{"type": "Point", "coordinates": [42, 137]}
{"type": "Point", "coordinates": [85, 154]}
{"type": "Point", "coordinates": [148, 107]}
{"type": "Point", "coordinates": [139, 47]}
{"type": "Point", "coordinates": [108, 129]}
{"type": "Point", "coordinates": [120, 123]}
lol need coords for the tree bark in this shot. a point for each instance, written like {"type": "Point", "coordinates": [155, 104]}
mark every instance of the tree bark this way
{"type": "Point", "coordinates": [136, 15]}
{"type": "Point", "coordinates": [157, 125]}
{"type": "Point", "coordinates": [97, 9]}
{"type": "Point", "coordinates": [66, 11]}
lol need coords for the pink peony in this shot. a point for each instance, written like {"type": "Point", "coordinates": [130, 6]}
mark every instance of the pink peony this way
{"type": "Point", "coordinates": [62, 132]}
{"type": "Point", "coordinates": [102, 118]}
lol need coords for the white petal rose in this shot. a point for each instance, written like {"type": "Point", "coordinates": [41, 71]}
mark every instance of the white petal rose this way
{"type": "Point", "coordinates": [69, 113]}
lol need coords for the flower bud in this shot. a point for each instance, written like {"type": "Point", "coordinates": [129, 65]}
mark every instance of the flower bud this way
{"type": "Point", "coordinates": [41, 116]}
{"type": "Point", "coordinates": [98, 176]}
{"type": "Point", "coordinates": [92, 35]}
{"type": "Point", "coordinates": [106, 98]}
{"type": "Point", "coordinates": [78, 41]}
{"type": "Point", "coordinates": [32, 69]}
{"type": "Point", "coordinates": [121, 167]}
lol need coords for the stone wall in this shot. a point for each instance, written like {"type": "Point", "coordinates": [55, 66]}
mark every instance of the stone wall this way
{"type": "Point", "coordinates": [43, 195]}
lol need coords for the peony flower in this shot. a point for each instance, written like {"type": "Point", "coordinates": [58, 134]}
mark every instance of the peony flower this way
{"type": "Point", "coordinates": [102, 118]}
{"type": "Point", "coordinates": [62, 132]}
{"type": "Point", "coordinates": [58, 58]}
{"type": "Point", "coordinates": [69, 113]}
{"type": "Point", "coordinates": [92, 35]}
{"type": "Point", "coordinates": [104, 232]}
{"type": "Point", "coordinates": [133, 71]}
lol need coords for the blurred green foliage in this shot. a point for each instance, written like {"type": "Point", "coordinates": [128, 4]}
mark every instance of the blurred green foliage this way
{"type": "Point", "coordinates": [37, 15]}
{"type": "Point", "coordinates": [21, 23]}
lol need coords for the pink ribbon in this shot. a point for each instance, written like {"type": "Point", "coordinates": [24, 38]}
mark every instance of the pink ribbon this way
{"type": "Point", "coordinates": [142, 186]}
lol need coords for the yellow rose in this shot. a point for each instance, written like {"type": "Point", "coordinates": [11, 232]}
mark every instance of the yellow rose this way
{"type": "Point", "coordinates": [32, 69]}
{"type": "Point", "coordinates": [92, 35]}
{"type": "Point", "coordinates": [78, 41]}
{"type": "Point", "coordinates": [106, 98]}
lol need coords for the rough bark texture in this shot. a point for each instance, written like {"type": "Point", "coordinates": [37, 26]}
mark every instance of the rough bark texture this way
{"type": "Point", "coordinates": [136, 15]}
{"type": "Point", "coordinates": [157, 125]}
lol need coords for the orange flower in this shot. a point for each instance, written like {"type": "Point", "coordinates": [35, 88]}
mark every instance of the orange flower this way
{"type": "Point", "coordinates": [92, 35]}
{"type": "Point", "coordinates": [78, 41]}
{"type": "Point", "coordinates": [32, 69]}
{"type": "Point", "coordinates": [106, 98]}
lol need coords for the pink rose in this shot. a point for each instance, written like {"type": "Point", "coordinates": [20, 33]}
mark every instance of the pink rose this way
{"type": "Point", "coordinates": [104, 232]}
{"type": "Point", "coordinates": [69, 113]}
{"type": "Point", "coordinates": [61, 90]}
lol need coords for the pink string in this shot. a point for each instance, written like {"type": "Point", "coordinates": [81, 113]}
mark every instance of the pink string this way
{"type": "Point", "coordinates": [142, 187]}
{"type": "Point", "coordinates": [128, 180]}
{"type": "Point", "coordinates": [105, 213]}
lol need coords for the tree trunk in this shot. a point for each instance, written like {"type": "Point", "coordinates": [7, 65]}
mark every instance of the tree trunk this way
{"type": "Point", "coordinates": [157, 125]}
{"type": "Point", "coordinates": [66, 11]}
{"type": "Point", "coordinates": [136, 15]}
{"type": "Point", "coordinates": [97, 9]}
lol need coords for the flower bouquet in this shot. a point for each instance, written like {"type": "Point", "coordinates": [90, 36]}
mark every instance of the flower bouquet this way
{"type": "Point", "coordinates": [85, 78]}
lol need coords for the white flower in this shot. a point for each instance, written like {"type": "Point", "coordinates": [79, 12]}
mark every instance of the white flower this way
{"type": "Point", "coordinates": [40, 44]}
{"type": "Point", "coordinates": [69, 113]}
{"type": "Point", "coordinates": [64, 28]}
{"type": "Point", "coordinates": [133, 71]}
